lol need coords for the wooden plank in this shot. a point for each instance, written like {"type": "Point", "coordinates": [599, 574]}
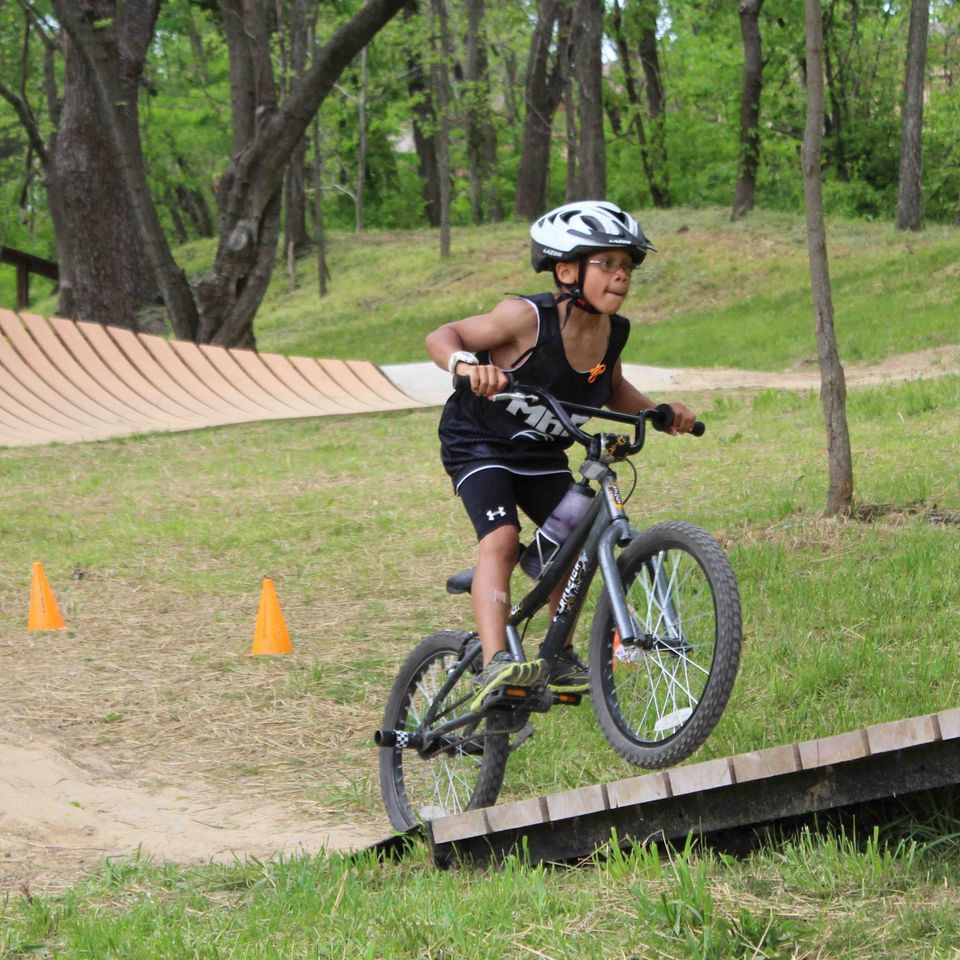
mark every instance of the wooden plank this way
{"type": "Point", "coordinates": [338, 371]}
{"type": "Point", "coordinates": [900, 734]}
{"type": "Point", "coordinates": [471, 823]}
{"type": "Point", "coordinates": [43, 368]}
{"type": "Point", "coordinates": [200, 364]}
{"type": "Point", "coordinates": [23, 385]}
{"type": "Point", "coordinates": [370, 374]}
{"type": "Point", "coordinates": [259, 372]}
{"type": "Point", "coordinates": [147, 366]}
{"type": "Point", "coordinates": [123, 380]}
{"type": "Point", "coordinates": [311, 370]}
{"type": "Point", "coordinates": [107, 391]}
{"type": "Point", "coordinates": [701, 776]}
{"type": "Point", "coordinates": [760, 764]}
{"type": "Point", "coordinates": [639, 790]}
{"type": "Point", "coordinates": [291, 377]}
{"type": "Point", "coordinates": [577, 803]}
{"type": "Point", "coordinates": [519, 813]}
{"type": "Point", "coordinates": [227, 365]}
{"type": "Point", "coordinates": [174, 367]}
{"type": "Point", "coordinates": [733, 813]}
{"type": "Point", "coordinates": [837, 749]}
{"type": "Point", "coordinates": [949, 723]}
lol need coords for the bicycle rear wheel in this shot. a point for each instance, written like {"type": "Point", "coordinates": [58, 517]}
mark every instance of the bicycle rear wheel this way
{"type": "Point", "coordinates": [466, 769]}
{"type": "Point", "coordinates": [658, 699]}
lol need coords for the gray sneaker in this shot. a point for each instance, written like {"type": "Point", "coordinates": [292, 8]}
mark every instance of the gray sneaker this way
{"type": "Point", "coordinates": [503, 670]}
{"type": "Point", "coordinates": [568, 673]}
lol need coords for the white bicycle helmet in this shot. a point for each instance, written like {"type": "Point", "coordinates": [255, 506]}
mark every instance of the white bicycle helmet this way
{"type": "Point", "coordinates": [577, 229]}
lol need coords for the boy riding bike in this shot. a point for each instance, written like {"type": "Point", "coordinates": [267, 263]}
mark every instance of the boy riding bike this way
{"type": "Point", "coordinates": [501, 457]}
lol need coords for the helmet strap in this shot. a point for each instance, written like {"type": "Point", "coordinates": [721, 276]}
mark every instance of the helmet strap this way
{"type": "Point", "coordinates": [573, 292]}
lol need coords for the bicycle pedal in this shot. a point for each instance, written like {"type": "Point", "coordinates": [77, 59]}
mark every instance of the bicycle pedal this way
{"type": "Point", "coordinates": [568, 699]}
{"type": "Point", "coordinates": [509, 696]}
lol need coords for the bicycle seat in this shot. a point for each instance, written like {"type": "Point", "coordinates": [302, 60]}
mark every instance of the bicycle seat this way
{"type": "Point", "coordinates": [460, 582]}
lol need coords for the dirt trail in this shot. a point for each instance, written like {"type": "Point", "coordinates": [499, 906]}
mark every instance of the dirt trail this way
{"type": "Point", "coordinates": [59, 818]}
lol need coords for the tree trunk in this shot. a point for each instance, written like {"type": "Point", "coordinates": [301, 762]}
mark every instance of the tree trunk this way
{"type": "Point", "coordinates": [633, 98]}
{"type": "Point", "coordinates": [265, 137]}
{"type": "Point", "coordinates": [656, 102]}
{"type": "Point", "coordinates": [570, 125]}
{"type": "Point", "coordinates": [836, 117]}
{"type": "Point", "coordinates": [104, 269]}
{"type": "Point", "coordinates": [362, 141]}
{"type": "Point", "coordinates": [832, 381]}
{"type": "Point", "coordinates": [441, 90]}
{"type": "Point", "coordinates": [909, 195]}
{"type": "Point", "coordinates": [544, 89]}
{"type": "Point", "coordinates": [319, 231]}
{"type": "Point", "coordinates": [588, 66]}
{"type": "Point", "coordinates": [424, 123]}
{"type": "Point", "coordinates": [295, 193]}
{"type": "Point", "coordinates": [749, 158]}
{"type": "Point", "coordinates": [249, 190]}
{"type": "Point", "coordinates": [480, 132]}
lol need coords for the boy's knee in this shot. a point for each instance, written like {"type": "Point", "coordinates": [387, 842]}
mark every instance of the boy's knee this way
{"type": "Point", "coordinates": [501, 544]}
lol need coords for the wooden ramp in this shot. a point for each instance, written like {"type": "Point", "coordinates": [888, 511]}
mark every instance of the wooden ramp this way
{"type": "Point", "coordinates": [64, 381]}
{"type": "Point", "coordinates": [905, 759]}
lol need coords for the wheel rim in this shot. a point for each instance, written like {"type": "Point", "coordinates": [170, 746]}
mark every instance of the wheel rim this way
{"type": "Point", "coordinates": [442, 784]}
{"type": "Point", "coordinates": [656, 686]}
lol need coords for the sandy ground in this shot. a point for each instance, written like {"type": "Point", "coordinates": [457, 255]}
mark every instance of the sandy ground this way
{"type": "Point", "coordinates": [59, 818]}
{"type": "Point", "coordinates": [63, 811]}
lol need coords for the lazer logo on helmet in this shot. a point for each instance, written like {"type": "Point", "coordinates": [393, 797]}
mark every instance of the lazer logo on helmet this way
{"type": "Point", "coordinates": [541, 419]}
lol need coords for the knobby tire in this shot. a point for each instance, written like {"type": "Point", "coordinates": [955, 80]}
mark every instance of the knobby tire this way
{"type": "Point", "coordinates": [455, 779]}
{"type": "Point", "coordinates": [657, 702]}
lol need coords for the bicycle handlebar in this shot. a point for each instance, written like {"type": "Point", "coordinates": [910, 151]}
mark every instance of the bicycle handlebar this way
{"type": "Point", "coordinates": [660, 417]}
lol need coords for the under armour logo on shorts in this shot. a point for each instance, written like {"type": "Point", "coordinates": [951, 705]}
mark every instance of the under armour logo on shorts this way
{"type": "Point", "coordinates": [499, 512]}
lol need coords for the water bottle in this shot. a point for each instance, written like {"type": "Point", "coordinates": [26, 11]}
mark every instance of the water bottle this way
{"type": "Point", "coordinates": [555, 530]}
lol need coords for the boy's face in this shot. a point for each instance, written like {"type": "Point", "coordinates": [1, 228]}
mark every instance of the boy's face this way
{"type": "Point", "coordinates": [606, 280]}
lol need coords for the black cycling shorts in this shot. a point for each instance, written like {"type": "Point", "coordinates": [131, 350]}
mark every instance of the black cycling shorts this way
{"type": "Point", "coordinates": [491, 497]}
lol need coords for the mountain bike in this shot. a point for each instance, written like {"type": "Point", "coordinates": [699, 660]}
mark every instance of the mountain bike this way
{"type": "Point", "coordinates": [664, 644]}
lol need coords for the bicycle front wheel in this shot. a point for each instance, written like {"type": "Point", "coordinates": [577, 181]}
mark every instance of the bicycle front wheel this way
{"type": "Point", "coordinates": [658, 698]}
{"type": "Point", "coordinates": [465, 769]}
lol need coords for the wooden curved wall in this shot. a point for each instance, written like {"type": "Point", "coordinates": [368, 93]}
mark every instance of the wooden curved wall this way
{"type": "Point", "coordinates": [63, 380]}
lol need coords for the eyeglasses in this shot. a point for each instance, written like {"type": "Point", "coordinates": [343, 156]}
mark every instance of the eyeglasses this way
{"type": "Point", "coordinates": [610, 265]}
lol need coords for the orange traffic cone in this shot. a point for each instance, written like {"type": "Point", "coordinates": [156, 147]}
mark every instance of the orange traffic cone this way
{"type": "Point", "coordinates": [44, 613]}
{"type": "Point", "coordinates": [270, 634]}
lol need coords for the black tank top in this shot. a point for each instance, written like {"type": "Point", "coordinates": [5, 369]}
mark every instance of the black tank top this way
{"type": "Point", "coordinates": [526, 438]}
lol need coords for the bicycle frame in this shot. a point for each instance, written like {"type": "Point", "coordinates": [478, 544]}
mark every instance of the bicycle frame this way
{"type": "Point", "coordinates": [592, 543]}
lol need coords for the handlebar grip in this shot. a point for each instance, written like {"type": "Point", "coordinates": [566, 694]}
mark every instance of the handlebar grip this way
{"type": "Point", "coordinates": [461, 382]}
{"type": "Point", "coordinates": [662, 419]}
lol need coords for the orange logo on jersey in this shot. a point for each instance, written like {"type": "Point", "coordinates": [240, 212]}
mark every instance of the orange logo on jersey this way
{"type": "Point", "coordinates": [596, 371]}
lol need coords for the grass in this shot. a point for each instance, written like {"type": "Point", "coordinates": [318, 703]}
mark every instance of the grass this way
{"type": "Point", "coordinates": [156, 545]}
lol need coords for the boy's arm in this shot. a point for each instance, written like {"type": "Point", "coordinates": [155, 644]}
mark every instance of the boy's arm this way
{"type": "Point", "coordinates": [626, 398]}
{"type": "Point", "coordinates": [511, 322]}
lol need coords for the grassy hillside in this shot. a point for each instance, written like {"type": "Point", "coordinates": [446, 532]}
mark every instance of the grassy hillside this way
{"type": "Point", "coordinates": [715, 294]}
